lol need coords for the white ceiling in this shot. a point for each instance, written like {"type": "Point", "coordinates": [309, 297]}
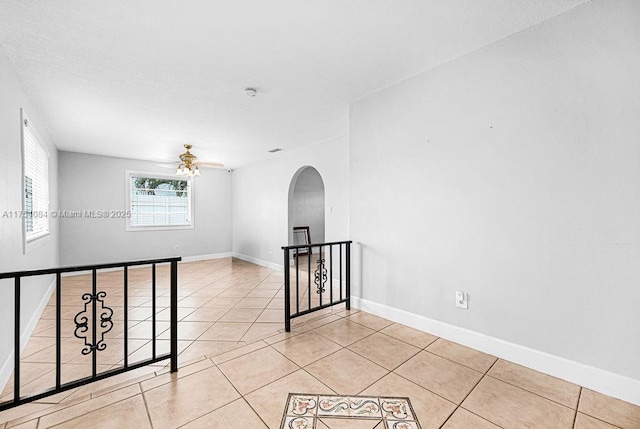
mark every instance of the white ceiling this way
{"type": "Point", "coordinates": [138, 79]}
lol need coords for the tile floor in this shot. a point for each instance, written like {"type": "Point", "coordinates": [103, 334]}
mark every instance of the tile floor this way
{"type": "Point", "coordinates": [238, 367]}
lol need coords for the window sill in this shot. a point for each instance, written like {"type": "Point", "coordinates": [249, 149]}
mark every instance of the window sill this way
{"type": "Point", "coordinates": [158, 228]}
{"type": "Point", "coordinates": [35, 242]}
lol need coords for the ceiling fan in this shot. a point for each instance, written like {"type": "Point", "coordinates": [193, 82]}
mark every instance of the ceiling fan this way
{"type": "Point", "coordinates": [189, 166]}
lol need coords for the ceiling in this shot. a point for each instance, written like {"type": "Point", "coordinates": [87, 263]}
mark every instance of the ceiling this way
{"type": "Point", "coordinates": [138, 79]}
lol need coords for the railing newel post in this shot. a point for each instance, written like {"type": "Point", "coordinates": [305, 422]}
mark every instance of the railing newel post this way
{"type": "Point", "coordinates": [287, 291]}
{"type": "Point", "coordinates": [174, 316]}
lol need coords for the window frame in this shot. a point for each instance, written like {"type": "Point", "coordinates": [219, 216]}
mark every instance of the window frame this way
{"type": "Point", "coordinates": [190, 190]}
{"type": "Point", "coordinates": [31, 241]}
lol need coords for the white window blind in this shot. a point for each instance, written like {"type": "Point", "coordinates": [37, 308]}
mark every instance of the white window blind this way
{"type": "Point", "coordinates": [159, 201]}
{"type": "Point", "coordinates": [36, 184]}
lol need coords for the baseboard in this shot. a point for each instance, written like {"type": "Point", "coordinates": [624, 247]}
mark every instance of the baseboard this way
{"type": "Point", "coordinates": [608, 383]}
{"type": "Point", "coordinates": [262, 262]}
{"type": "Point", "coordinates": [7, 367]}
{"type": "Point", "coordinates": [197, 258]}
{"type": "Point", "coordinates": [194, 258]}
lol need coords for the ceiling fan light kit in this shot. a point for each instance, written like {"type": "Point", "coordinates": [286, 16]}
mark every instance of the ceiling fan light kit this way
{"type": "Point", "coordinates": [188, 167]}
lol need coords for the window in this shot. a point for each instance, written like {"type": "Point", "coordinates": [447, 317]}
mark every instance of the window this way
{"type": "Point", "coordinates": [159, 202]}
{"type": "Point", "coordinates": [36, 184]}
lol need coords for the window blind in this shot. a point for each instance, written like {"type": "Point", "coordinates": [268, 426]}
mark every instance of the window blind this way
{"type": "Point", "coordinates": [159, 202]}
{"type": "Point", "coordinates": [36, 185]}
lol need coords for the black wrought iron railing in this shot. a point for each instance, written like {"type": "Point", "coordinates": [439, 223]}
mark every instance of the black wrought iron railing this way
{"type": "Point", "coordinates": [95, 319]}
{"type": "Point", "coordinates": [316, 276]}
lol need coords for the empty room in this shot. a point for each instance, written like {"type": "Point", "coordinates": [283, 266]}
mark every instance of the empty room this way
{"type": "Point", "coordinates": [320, 214]}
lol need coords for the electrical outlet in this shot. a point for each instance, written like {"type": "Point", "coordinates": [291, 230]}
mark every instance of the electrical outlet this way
{"type": "Point", "coordinates": [461, 300]}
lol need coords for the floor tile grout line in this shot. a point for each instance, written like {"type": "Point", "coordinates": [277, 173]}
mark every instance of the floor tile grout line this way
{"type": "Point", "coordinates": [533, 393]}
{"type": "Point", "coordinates": [459, 405]}
{"type": "Point", "coordinates": [146, 406]}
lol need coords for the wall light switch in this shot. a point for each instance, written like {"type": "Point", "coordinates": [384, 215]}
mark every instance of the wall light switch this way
{"type": "Point", "coordinates": [461, 300]}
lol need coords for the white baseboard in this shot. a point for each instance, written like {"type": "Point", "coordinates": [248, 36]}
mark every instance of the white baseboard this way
{"type": "Point", "coordinates": [262, 262]}
{"type": "Point", "coordinates": [608, 383]}
{"type": "Point", "coordinates": [7, 367]}
{"type": "Point", "coordinates": [194, 258]}
{"type": "Point", "coordinates": [197, 258]}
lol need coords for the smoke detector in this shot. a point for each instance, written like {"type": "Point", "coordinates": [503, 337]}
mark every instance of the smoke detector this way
{"type": "Point", "coordinates": [251, 92]}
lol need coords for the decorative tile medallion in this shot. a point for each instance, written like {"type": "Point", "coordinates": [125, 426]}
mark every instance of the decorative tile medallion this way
{"type": "Point", "coordinates": [305, 411]}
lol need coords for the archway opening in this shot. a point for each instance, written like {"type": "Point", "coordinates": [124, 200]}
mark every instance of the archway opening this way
{"type": "Point", "coordinates": [306, 204]}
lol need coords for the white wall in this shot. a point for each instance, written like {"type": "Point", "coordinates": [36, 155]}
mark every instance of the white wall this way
{"type": "Point", "coordinates": [34, 290]}
{"type": "Point", "coordinates": [92, 182]}
{"type": "Point", "coordinates": [512, 173]}
{"type": "Point", "coordinates": [307, 205]}
{"type": "Point", "coordinates": [260, 199]}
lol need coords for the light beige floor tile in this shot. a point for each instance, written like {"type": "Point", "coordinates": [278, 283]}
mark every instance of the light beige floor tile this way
{"type": "Point", "coordinates": [384, 350]}
{"type": "Point", "coordinates": [22, 411]}
{"type": "Point", "coordinates": [82, 408]}
{"type": "Point", "coordinates": [276, 304]}
{"type": "Point", "coordinates": [258, 331]}
{"type": "Point", "coordinates": [206, 314]}
{"type": "Point", "coordinates": [344, 332]}
{"type": "Point", "coordinates": [229, 416]}
{"type": "Point", "coordinates": [511, 407]}
{"type": "Point", "coordinates": [165, 376]}
{"type": "Point", "coordinates": [306, 348]}
{"type": "Point", "coordinates": [208, 348]}
{"type": "Point", "coordinates": [463, 419]}
{"type": "Point", "coordinates": [222, 331]}
{"type": "Point", "coordinates": [128, 413]}
{"type": "Point", "coordinates": [257, 369]}
{"type": "Point", "coordinates": [409, 335]}
{"type": "Point", "coordinates": [584, 421]}
{"type": "Point", "coordinates": [189, 330]}
{"type": "Point", "coordinates": [270, 400]}
{"type": "Point", "coordinates": [536, 382]}
{"type": "Point", "coordinates": [165, 315]}
{"type": "Point", "coordinates": [193, 302]}
{"type": "Point", "coordinates": [369, 320]}
{"type": "Point", "coordinates": [32, 424]}
{"type": "Point", "coordinates": [431, 409]}
{"type": "Point", "coordinates": [220, 302]}
{"type": "Point", "coordinates": [271, 316]}
{"type": "Point", "coordinates": [262, 293]}
{"type": "Point", "coordinates": [463, 355]}
{"type": "Point", "coordinates": [185, 400]}
{"type": "Point", "coordinates": [241, 315]}
{"type": "Point", "coordinates": [237, 352]}
{"type": "Point", "coordinates": [610, 410]}
{"type": "Point", "coordinates": [448, 379]}
{"type": "Point", "coordinates": [346, 372]}
{"type": "Point", "coordinates": [253, 303]}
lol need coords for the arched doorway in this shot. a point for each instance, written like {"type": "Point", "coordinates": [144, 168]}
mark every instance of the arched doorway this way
{"type": "Point", "coordinates": [306, 203]}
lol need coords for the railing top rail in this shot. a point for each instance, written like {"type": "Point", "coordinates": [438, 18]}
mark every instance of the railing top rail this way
{"type": "Point", "coordinates": [87, 267]}
{"type": "Point", "coordinates": [307, 246]}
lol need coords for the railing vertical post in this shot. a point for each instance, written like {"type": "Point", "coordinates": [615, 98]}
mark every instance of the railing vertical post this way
{"type": "Point", "coordinates": [320, 277]}
{"type": "Point", "coordinates": [309, 252]}
{"type": "Point", "coordinates": [126, 316]}
{"type": "Point", "coordinates": [58, 329]}
{"type": "Point", "coordinates": [331, 273]}
{"type": "Point", "coordinates": [297, 281]}
{"type": "Point", "coordinates": [287, 291]}
{"type": "Point", "coordinates": [153, 310]}
{"type": "Point", "coordinates": [94, 307]}
{"type": "Point", "coordinates": [174, 316]}
{"type": "Point", "coordinates": [16, 340]}
{"type": "Point", "coordinates": [340, 271]}
{"type": "Point", "coordinates": [348, 275]}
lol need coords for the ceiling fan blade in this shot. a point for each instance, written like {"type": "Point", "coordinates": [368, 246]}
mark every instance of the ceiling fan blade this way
{"type": "Point", "coordinates": [168, 165]}
{"type": "Point", "coordinates": [210, 164]}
